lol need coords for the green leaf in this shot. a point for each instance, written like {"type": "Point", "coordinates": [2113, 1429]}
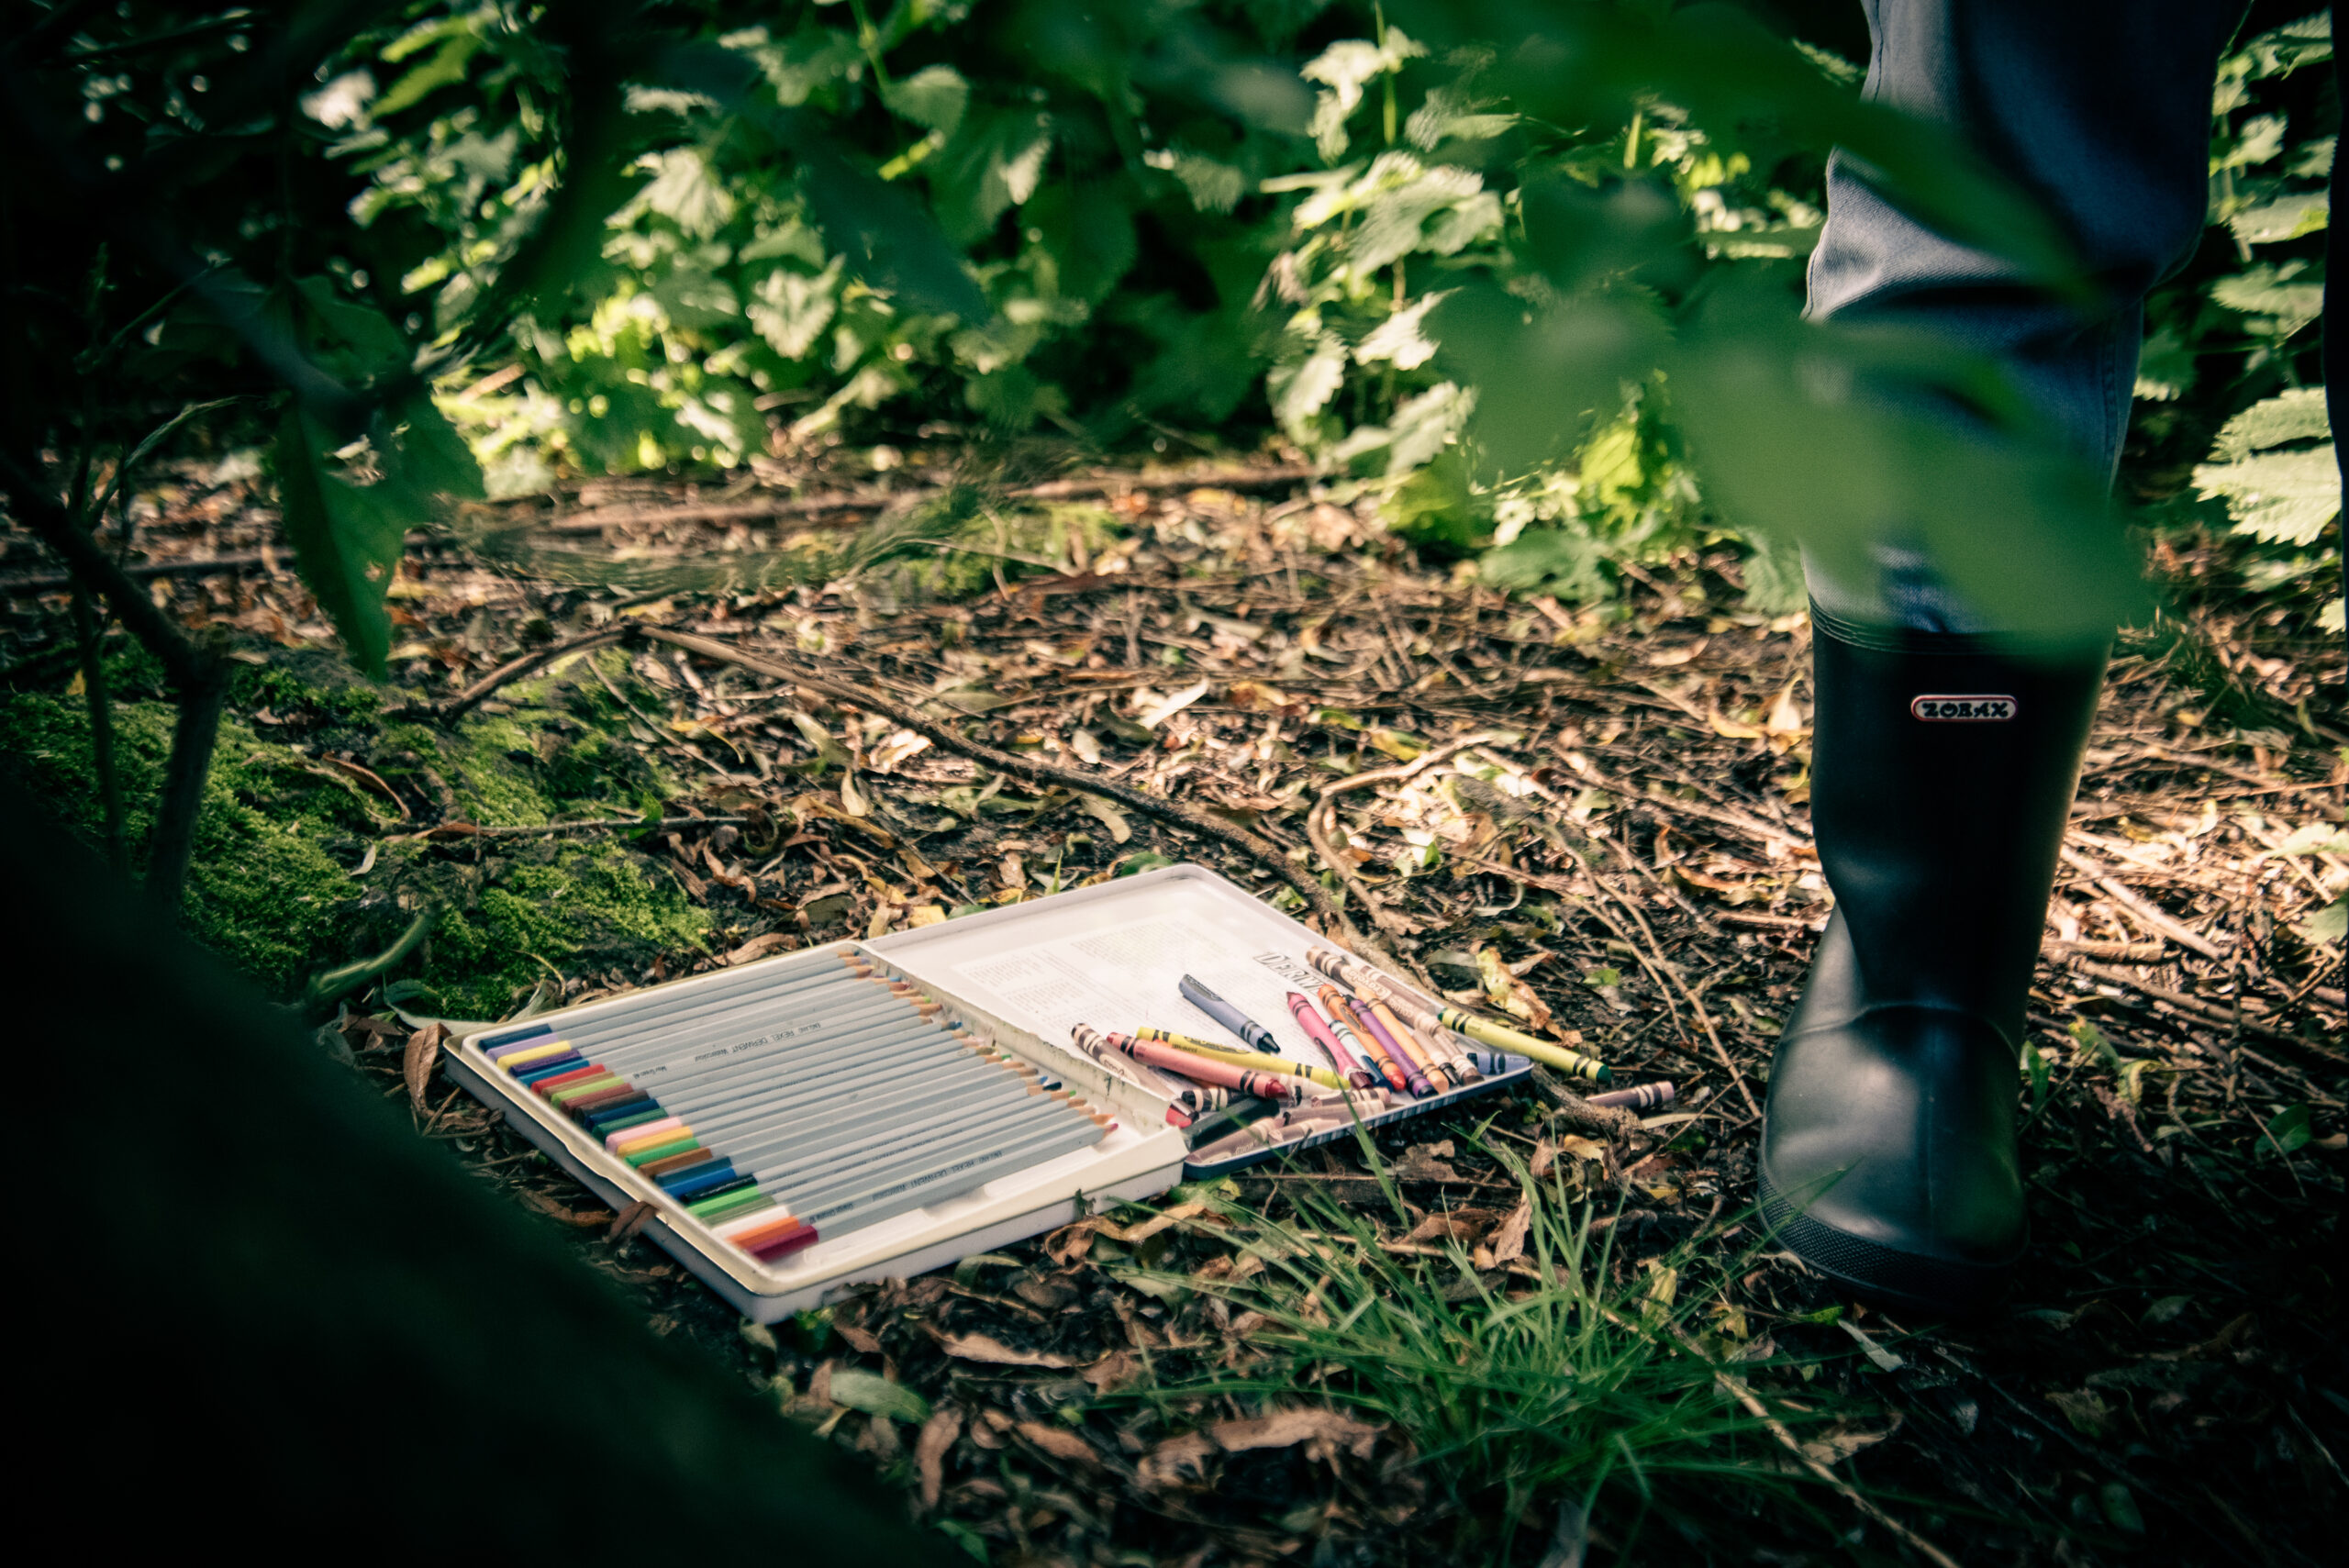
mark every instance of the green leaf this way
{"type": "Point", "coordinates": [1087, 229]}
{"type": "Point", "coordinates": [1147, 860]}
{"type": "Point", "coordinates": [876, 1396]}
{"type": "Point", "coordinates": [889, 242]}
{"type": "Point", "coordinates": [446, 68]}
{"type": "Point", "coordinates": [349, 504]}
{"type": "Point", "coordinates": [2294, 415]}
{"type": "Point", "coordinates": [2291, 1129]}
{"type": "Point", "coordinates": [2330, 924]}
{"type": "Point", "coordinates": [933, 97]}
{"type": "Point", "coordinates": [993, 163]}
{"type": "Point", "coordinates": [2284, 498]}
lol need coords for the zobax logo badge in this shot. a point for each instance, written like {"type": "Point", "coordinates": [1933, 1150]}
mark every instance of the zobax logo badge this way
{"type": "Point", "coordinates": [1964, 710]}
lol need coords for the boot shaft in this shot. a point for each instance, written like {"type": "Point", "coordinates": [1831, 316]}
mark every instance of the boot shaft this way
{"type": "Point", "coordinates": [1942, 773]}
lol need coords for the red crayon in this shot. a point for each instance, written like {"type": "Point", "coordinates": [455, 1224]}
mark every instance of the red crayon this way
{"type": "Point", "coordinates": [1247, 1081]}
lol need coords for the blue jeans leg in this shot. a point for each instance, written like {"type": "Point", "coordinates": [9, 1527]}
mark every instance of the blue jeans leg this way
{"type": "Point", "coordinates": [2100, 108]}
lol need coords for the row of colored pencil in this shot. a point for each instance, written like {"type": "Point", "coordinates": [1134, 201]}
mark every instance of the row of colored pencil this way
{"type": "Point", "coordinates": [799, 1101]}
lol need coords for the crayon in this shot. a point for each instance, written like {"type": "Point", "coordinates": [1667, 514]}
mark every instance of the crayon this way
{"type": "Point", "coordinates": [1415, 1078]}
{"type": "Point", "coordinates": [1148, 1079]}
{"type": "Point", "coordinates": [1321, 1076]}
{"type": "Point", "coordinates": [1639, 1097]}
{"type": "Point", "coordinates": [1265, 1086]}
{"type": "Point", "coordinates": [1431, 1064]}
{"type": "Point", "coordinates": [1206, 1129]}
{"type": "Point", "coordinates": [1342, 1024]}
{"type": "Point", "coordinates": [1573, 1063]}
{"type": "Point", "coordinates": [1327, 1043]}
{"type": "Point", "coordinates": [1251, 1033]}
{"type": "Point", "coordinates": [1415, 1012]}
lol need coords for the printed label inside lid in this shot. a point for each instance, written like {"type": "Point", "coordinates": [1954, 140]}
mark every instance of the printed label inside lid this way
{"type": "Point", "coordinates": [1963, 709]}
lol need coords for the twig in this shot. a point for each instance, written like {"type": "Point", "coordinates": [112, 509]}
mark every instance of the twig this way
{"type": "Point", "coordinates": [2211, 1013]}
{"type": "Point", "coordinates": [464, 702]}
{"type": "Point", "coordinates": [601, 824]}
{"type": "Point", "coordinates": [828, 502]}
{"type": "Point", "coordinates": [1610, 1122]}
{"type": "Point", "coordinates": [1262, 850]}
{"type": "Point", "coordinates": [1321, 821]}
{"type": "Point", "coordinates": [90, 630]}
{"type": "Point", "coordinates": [2153, 918]}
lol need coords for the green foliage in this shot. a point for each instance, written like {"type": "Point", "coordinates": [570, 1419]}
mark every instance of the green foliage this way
{"type": "Point", "coordinates": [1568, 1381]}
{"type": "Point", "coordinates": [2229, 344]}
{"type": "Point", "coordinates": [1543, 299]}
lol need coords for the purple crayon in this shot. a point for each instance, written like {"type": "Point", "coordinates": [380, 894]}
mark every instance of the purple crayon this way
{"type": "Point", "coordinates": [1639, 1097]}
{"type": "Point", "coordinates": [1414, 1080]}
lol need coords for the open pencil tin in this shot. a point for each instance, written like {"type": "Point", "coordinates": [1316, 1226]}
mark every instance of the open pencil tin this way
{"type": "Point", "coordinates": [1110, 956]}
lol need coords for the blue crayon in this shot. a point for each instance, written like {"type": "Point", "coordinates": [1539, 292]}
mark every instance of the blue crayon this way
{"type": "Point", "coordinates": [1253, 1034]}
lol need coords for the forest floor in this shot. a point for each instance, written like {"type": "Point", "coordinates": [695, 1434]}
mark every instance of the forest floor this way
{"type": "Point", "coordinates": [1592, 816]}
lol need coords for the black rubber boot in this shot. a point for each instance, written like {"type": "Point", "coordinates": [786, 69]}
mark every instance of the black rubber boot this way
{"type": "Point", "coordinates": [1941, 775]}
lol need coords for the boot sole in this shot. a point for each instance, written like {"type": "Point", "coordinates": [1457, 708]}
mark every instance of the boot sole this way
{"type": "Point", "coordinates": [1937, 1286]}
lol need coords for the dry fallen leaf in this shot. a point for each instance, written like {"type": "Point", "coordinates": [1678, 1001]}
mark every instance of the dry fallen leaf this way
{"type": "Point", "coordinates": [760, 946]}
{"type": "Point", "coordinates": [422, 1055]}
{"type": "Point", "coordinates": [1508, 1241]}
{"type": "Point", "coordinates": [1324, 1433]}
{"type": "Point", "coordinates": [1420, 1163]}
{"type": "Point", "coordinates": [930, 1448]}
{"type": "Point", "coordinates": [629, 1221]}
{"type": "Point", "coordinates": [1059, 1441]}
{"type": "Point", "coordinates": [580, 1219]}
{"type": "Point", "coordinates": [1144, 1230]}
{"type": "Point", "coordinates": [1172, 1460]}
{"type": "Point", "coordinates": [1113, 1371]}
{"type": "Point", "coordinates": [995, 1353]}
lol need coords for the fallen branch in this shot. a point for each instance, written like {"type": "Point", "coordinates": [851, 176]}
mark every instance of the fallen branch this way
{"type": "Point", "coordinates": [513, 669]}
{"type": "Point", "coordinates": [1610, 1122]}
{"type": "Point", "coordinates": [2211, 1013]}
{"type": "Point", "coordinates": [2142, 908]}
{"type": "Point", "coordinates": [1262, 850]}
{"type": "Point", "coordinates": [601, 824]}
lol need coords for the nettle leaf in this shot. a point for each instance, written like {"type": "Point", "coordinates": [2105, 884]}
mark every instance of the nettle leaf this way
{"type": "Point", "coordinates": [446, 67]}
{"type": "Point", "coordinates": [685, 190]}
{"type": "Point", "coordinates": [1395, 221]}
{"type": "Point", "coordinates": [991, 166]}
{"type": "Point", "coordinates": [2282, 497]}
{"type": "Point", "coordinates": [349, 504]}
{"type": "Point", "coordinates": [790, 309]}
{"type": "Point", "coordinates": [933, 97]}
{"type": "Point", "coordinates": [2273, 293]}
{"type": "Point", "coordinates": [1088, 230]}
{"type": "Point", "coordinates": [2294, 415]}
{"type": "Point", "coordinates": [1299, 390]}
{"type": "Point", "coordinates": [2287, 218]}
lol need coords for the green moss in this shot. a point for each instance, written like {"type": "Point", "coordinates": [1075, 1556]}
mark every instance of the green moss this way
{"type": "Point", "coordinates": [272, 888]}
{"type": "Point", "coordinates": [581, 909]}
{"type": "Point", "coordinates": [264, 891]}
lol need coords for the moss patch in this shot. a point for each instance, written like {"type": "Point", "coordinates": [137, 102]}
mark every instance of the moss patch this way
{"type": "Point", "coordinates": [274, 887]}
